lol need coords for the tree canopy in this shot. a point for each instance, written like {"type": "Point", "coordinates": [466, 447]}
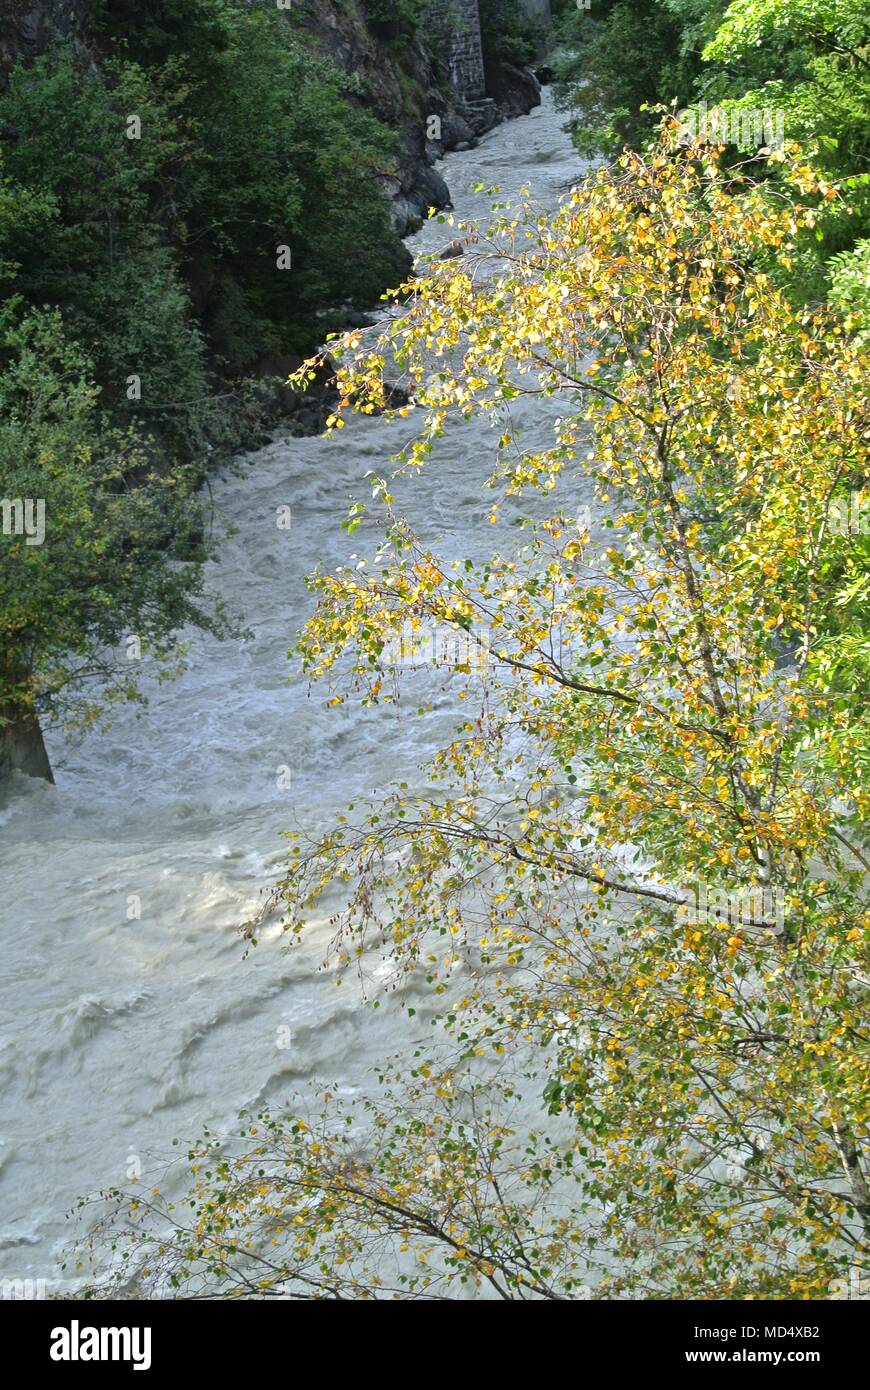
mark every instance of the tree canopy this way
{"type": "Point", "coordinates": [637, 889]}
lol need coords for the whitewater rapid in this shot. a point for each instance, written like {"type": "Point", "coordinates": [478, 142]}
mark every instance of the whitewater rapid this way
{"type": "Point", "coordinates": [117, 1032]}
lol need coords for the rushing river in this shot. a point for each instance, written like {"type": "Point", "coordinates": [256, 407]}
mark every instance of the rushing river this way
{"type": "Point", "coordinates": [118, 1032]}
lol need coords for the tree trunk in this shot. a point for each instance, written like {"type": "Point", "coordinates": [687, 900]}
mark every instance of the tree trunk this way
{"type": "Point", "coordinates": [22, 748]}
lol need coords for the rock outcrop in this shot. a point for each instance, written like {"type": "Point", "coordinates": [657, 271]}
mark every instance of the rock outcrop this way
{"type": "Point", "coordinates": [27, 27]}
{"type": "Point", "coordinates": [22, 748]}
{"type": "Point", "coordinates": [431, 88]}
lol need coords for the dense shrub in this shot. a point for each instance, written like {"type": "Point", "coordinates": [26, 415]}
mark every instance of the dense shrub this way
{"type": "Point", "coordinates": [162, 251]}
{"type": "Point", "coordinates": [101, 563]}
{"type": "Point", "coordinates": [508, 33]}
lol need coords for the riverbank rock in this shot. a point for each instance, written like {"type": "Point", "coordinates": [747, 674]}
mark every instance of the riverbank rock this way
{"type": "Point", "coordinates": [516, 91]}
{"type": "Point", "coordinates": [22, 748]}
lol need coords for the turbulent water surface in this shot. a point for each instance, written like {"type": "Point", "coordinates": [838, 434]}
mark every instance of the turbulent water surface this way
{"type": "Point", "coordinates": [118, 1033]}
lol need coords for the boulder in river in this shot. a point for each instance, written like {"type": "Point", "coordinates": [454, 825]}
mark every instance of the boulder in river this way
{"type": "Point", "coordinates": [516, 90]}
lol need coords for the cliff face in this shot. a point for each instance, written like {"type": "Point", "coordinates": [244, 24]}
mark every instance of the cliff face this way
{"type": "Point", "coordinates": [430, 87]}
{"type": "Point", "coordinates": [436, 89]}
{"type": "Point", "coordinates": [394, 77]}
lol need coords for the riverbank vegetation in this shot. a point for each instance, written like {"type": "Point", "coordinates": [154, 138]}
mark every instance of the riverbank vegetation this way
{"type": "Point", "coordinates": [637, 888]}
{"type": "Point", "coordinates": [802, 62]}
{"type": "Point", "coordinates": [177, 204]}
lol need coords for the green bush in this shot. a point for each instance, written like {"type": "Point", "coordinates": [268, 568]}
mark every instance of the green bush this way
{"type": "Point", "coordinates": [162, 251]}
{"type": "Point", "coordinates": [113, 529]}
{"type": "Point", "coordinates": [615, 60]}
{"type": "Point", "coordinates": [394, 16]}
{"type": "Point", "coordinates": [850, 285]}
{"type": "Point", "coordinates": [508, 32]}
{"type": "Point", "coordinates": [296, 165]}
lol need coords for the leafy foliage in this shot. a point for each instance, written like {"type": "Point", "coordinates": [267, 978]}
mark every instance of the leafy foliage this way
{"type": "Point", "coordinates": [803, 58]}
{"type": "Point", "coordinates": [247, 144]}
{"type": "Point", "coordinates": [394, 15]}
{"type": "Point", "coordinates": [637, 890]}
{"type": "Point", "coordinates": [629, 55]}
{"type": "Point", "coordinates": [112, 528]}
{"type": "Point", "coordinates": [850, 284]}
{"type": "Point", "coordinates": [508, 32]}
{"type": "Point", "coordinates": [97, 252]}
{"type": "Point", "coordinates": [814, 57]}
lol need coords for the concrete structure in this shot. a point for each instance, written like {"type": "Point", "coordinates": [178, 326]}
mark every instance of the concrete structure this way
{"type": "Point", "coordinates": [456, 24]}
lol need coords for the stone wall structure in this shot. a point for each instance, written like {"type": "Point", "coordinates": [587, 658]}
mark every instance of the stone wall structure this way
{"type": "Point", "coordinates": [456, 24]}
